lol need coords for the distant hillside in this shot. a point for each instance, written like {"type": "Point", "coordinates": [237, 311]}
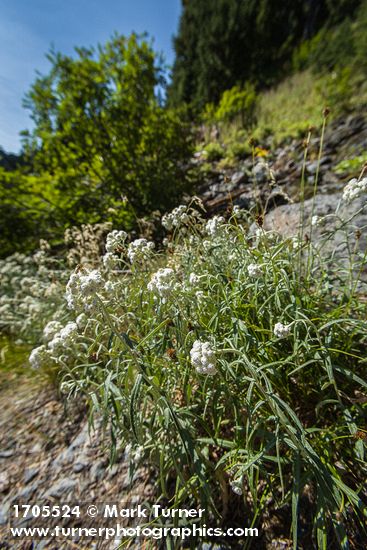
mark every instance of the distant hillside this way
{"type": "Point", "coordinates": [223, 43]}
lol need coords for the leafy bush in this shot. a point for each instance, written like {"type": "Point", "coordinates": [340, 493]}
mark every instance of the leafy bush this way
{"type": "Point", "coordinates": [238, 150]}
{"type": "Point", "coordinates": [103, 146]}
{"type": "Point", "coordinates": [237, 103]}
{"type": "Point", "coordinates": [214, 151]}
{"type": "Point", "coordinates": [335, 89]}
{"type": "Point", "coordinates": [29, 209]}
{"type": "Point", "coordinates": [351, 166]}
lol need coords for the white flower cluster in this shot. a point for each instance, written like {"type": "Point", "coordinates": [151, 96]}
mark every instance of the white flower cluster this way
{"type": "Point", "coordinates": [50, 330]}
{"type": "Point", "coordinates": [140, 249]}
{"type": "Point", "coordinates": [354, 189]}
{"type": "Point", "coordinates": [316, 221]}
{"type": "Point", "coordinates": [203, 358]}
{"type": "Point", "coordinates": [59, 340]}
{"type": "Point", "coordinates": [237, 486]}
{"type": "Point", "coordinates": [179, 216]}
{"type": "Point", "coordinates": [194, 279]}
{"type": "Point", "coordinates": [282, 331]}
{"type": "Point", "coordinates": [115, 240]}
{"type": "Point", "coordinates": [238, 212]}
{"type": "Point", "coordinates": [30, 293]}
{"type": "Point", "coordinates": [254, 270]}
{"type": "Point", "coordinates": [63, 339]}
{"type": "Point", "coordinates": [213, 227]}
{"type": "Point", "coordinates": [39, 356]}
{"type": "Point", "coordinates": [82, 287]}
{"type": "Point", "coordinates": [296, 243]}
{"type": "Point", "coordinates": [163, 282]}
{"type": "Point", "coordinates": [110, 260]}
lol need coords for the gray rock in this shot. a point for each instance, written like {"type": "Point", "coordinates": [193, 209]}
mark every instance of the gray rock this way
{"type": "Point", "coordinates": [37, 448]}
{"type": "Point", "coordinates": [335, 229]}
{"type": "Point", "coordinates": [3, 517]}
{"type": "Point", "coordinates": [6, 454]}
{"type": "Point", "coordinates": [243, 201]}
{"type": "Point", "coordinates": [98, 470]}
{"type": "Point", "coordinates": [113, 471]}
{"type": "Point", "coordinates": [68, 455]}
{"type": "Point", "coordinates": [41, 544]}
{"type": "Point", "coordinates": [216, 187]}
{"type": "Point", "coordinates": [4, 482]}
{"type": "Point", "coordinates": [26, 492]}
{"type": "Point", "coordinates": [261, 172]}
{"type": "Point", "coordinates": [79, 466]}
{"type": "Point", "coordinates": [61, 487]}
{"type": "Point", "coordinates": [29, 474]}
{"type": "Point", "coordinates": [237, 178]}
{"type": "Point", "coordinates": [311, 167]}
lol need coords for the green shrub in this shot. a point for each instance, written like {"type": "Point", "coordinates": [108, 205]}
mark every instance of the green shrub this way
{"type": "Point", "coordinates": [335, 90]}
{"type": "Point", "coordinates": [103, 147]}
{"type": "Point", "coordinates": [238, 150]}
{"type": "Point", "coordinates": [238, 104]}
{"type": "Point", "coordinates": [214, 152]}
{"type": "Point", "coordinates": [352, 166]}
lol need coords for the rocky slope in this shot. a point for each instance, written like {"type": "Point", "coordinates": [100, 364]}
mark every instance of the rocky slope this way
{"type": "Point", "coordinates": [49, 455]}
{"type": "Point", "coordinates": [345, 138]}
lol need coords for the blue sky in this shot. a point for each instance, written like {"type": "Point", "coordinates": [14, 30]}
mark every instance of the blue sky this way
{"type": "Point", "coordinates": [29, 27]}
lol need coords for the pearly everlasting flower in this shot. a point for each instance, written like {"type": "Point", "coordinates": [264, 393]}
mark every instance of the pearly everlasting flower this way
{"type": "Point", "coordinates": [114, 240]}
{"type": "Point", "coordinates": [139, 249]}
{"type": "Point", "coordinates": [194, 279]}
{"type": "Point", "coordinates": [52, 291]}
{"type": "Point", "coordinates": [238, 212]}
{"type": "Point", "coordinates": [177, 217]}
{"type": "Point", "coordinates": [81, 321]}
{"type": "Point", "coordinates": [82, 287]}
{"type": "Point", "coordinates": [315, 221]}
{"type": "Point", "coordinates": [64, 338]}
{"type": "Point", "coordinates": [51, 329]}
{"type": "Point", "coordinates": [110, 261]}
{"type": "Point", "coordinates": [203, 358]}
{"type": "Point", "coordinates": [163, 282]}
{"type": "Point", "coordinates": [214, 226]}
{"type": "Point", "coordinates": [354, 189]}
{"type": "Point", "coordinates": [27, 283]}
{"type": "Point", "coordinates": [282, 331]}
{"type": "Point", "coordinates": [237, 486]}
{"type": "Point", "coordinates": [69, 331]}
{"type": "Point", "coordinates": [110, 287]}
{"type": "Point", "coordinates": [254, 270]}
{"type": "Point", "coordinates": [91, 283]}
{"type": "Point", "coordinates": [39, 357]}
{"type": "Point", "coordinates": [296, 243]}
{"type": "Point", "coordinates": [40, 257]}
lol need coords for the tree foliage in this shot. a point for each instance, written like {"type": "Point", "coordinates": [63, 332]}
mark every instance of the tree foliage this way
{"type": "Point", "coordinates": [224, 43]}
{"type": "Point", "coordinates": [99, 127]}
{"type": "Point", "coordinates": [103, 145]}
